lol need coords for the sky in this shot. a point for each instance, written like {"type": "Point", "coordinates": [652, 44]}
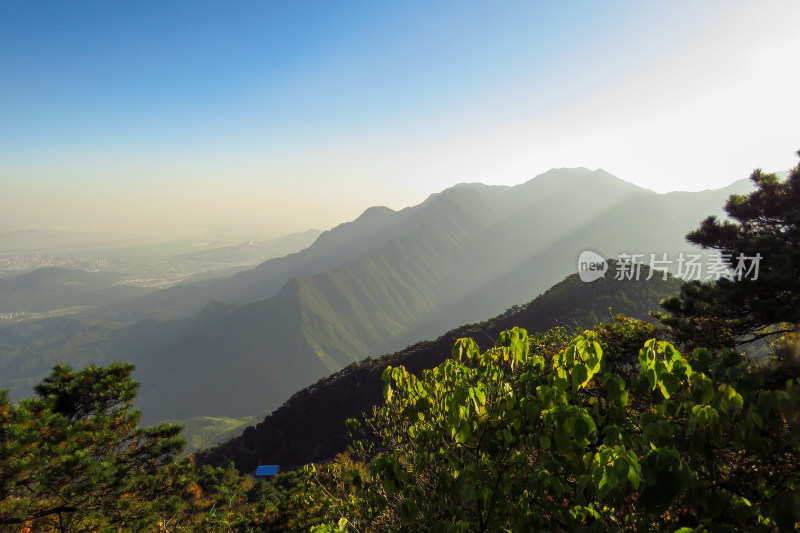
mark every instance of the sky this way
{"type": "Point", "coordinates": [261, 118]}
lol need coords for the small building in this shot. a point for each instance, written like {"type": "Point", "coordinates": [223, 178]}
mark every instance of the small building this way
{"type": "Point", "coordinates": [266, 471]}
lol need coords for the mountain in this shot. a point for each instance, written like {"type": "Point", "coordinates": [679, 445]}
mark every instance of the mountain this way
{"type": "Point", "coordinates": [465, 254]}
{"type": "Point", "coordinates": [471, 205]}
{"type": "Point", "coordinates": [310, 426]}
{"type": "Point", "coordinates": [245, 343]}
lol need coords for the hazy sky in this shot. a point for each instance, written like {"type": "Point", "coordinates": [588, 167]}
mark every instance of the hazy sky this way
{"type": "Point", "coordinates": [282, 116]}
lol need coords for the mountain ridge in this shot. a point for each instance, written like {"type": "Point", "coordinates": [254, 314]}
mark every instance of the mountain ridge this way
{"type": "Point", "coordinates": [370, 287]}
{"type": "Point", "coordinates": [331, 249]}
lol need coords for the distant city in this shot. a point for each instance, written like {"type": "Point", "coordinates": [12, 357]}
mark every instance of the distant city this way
{"type": "Point", "coordinates": [140, 273]}
{"type": "Point", "coordinates": [27, 262]}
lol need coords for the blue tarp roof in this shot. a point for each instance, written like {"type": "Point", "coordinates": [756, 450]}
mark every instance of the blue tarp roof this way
{"type": "Point", "coordinates": [267, 470]}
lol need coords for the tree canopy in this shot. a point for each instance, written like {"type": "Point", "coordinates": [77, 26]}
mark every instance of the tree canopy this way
{"type": "Point", "coordinates": [75, 459]}
{"type": "Point", "coordinates": [758, 300]}
{"type": "Point", "coordinates": [520, 439]}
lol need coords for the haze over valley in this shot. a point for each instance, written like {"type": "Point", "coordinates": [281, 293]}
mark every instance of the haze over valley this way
{"type": "Point", "coordinates": [67, 277]}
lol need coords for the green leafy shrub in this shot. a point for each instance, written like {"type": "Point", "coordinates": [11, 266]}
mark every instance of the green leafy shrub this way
{"type": "Point", "coordinates": [518, 440]}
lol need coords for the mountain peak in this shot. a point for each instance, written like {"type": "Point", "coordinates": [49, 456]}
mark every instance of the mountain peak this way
{"type": "Point", "coordinates": [377, 212]}
{"type": "Point", "coordinates": [476, 186]}
{"type": "Point", "coordinates": [559, 179]}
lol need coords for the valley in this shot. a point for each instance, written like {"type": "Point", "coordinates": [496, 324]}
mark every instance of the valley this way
{"type": "Point", "coordinates": [234, 345]}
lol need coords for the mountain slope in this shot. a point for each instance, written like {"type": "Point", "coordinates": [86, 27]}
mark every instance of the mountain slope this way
{"type": "Point", "coordinates": [378, 226]}
{"type": "Point", "coordinates": [310, 426]}
{"type": "Point", "coordinates": [332, 249]}
{"type": "Point", "coordinates": [236, 358]}
{"type": "Point", "coordinates": [379, 283]}
{"type": "Point", "coordinates": [374, 303]}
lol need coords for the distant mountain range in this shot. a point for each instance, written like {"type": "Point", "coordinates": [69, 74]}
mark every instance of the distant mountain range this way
{"type": "Point", "coordinates": [242, 344]}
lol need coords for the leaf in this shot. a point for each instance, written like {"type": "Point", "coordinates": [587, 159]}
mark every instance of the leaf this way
{"type": "Point", "coordinates": [579, 376]}
{"type": "Point", "coordinates": [463, 432]}
{"type": "Point", "coordinates": [581, 429]}
{"type": "Point", "coordinates": [408, 510]}
{"type": "Point", "coordinates": [691, 427]}
{"type": "Point", "coordinates": [621, 468]}
{"type": "Point", "coordinates": [389, 487]}
{"type": "Point", "coordinates": [562, 438]}
{"type": "Point", "coordinates": [634, 478]}
{"type": "Point", "coordinates": [397, 373]}
{"type": "Point", "coordinates": [652, 377]}
{"type": "Point", "coordinates": [480, 396]}
{"type": "Point", "coordinates": [560, 382]}
{"type": "Point", "coordinates": [708, 391]}
{"type": "Point", "coordinates": [668, 384]}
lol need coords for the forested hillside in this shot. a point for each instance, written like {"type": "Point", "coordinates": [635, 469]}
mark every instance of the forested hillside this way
{"type": "Point", "coordinates": [310, 426]}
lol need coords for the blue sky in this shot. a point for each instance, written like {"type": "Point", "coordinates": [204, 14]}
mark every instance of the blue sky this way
{"type": "Point", "coordinates": [279, 116]}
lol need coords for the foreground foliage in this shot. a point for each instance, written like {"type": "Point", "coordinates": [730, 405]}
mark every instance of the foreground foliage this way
{"type": "Point", "coordinates": [74, 458]}
{"type": "Point", "coordinates": [521, 440]}
{"type": "Point", "coordinates": [547, 432]}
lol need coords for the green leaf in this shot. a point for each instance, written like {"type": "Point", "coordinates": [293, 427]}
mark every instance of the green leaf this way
{"type": "Point", "coordinates": [621, 468]}
{"type": "Point", "coordinates": [668, 384]}
{"type": "Point", "coordinates": [480, 396]}
{"type": "Point", "coordinates": [408, 510]}
{"type": "Point", "coordinates": [389, 487]}
{"type": "Point", "coordinates": [581, 429]}
{"type": "Point", "coordinates": [634, 478]}
{"type": "Point", "coordinates": [544, 441]}
{"type": "Point", "coordinates": [560, 381]}
{"type": "Point", "coordinates": [652, 377]}
{"type": "Point", "coordinates": [562, 438]}
{"type": "Point", "coordinates": [579, 376]}
{"type": "Point", "coordinates": [463, 432]}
